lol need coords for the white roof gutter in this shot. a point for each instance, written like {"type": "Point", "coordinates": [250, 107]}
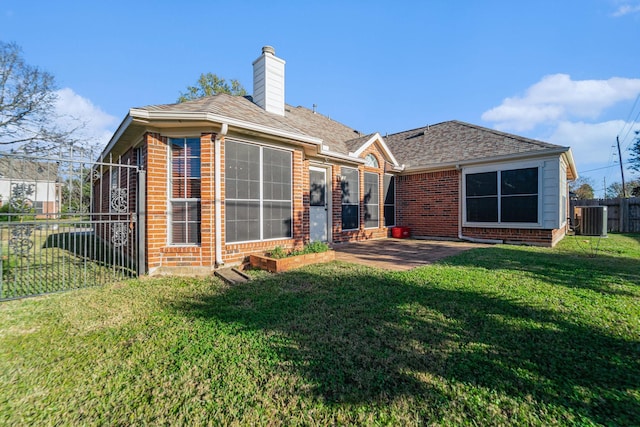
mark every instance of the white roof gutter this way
{"type": "Point", "coordinates": [210, 117]}
{"type": "Point", "coordinates": [116, 136]}
{"type": "Point", "coordinates": [458, 164]}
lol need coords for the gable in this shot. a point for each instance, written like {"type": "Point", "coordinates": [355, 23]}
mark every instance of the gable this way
{"type": "Point", "coordinates": [375, 145]}
{"type": "Point", "coordinates": [453, 143]}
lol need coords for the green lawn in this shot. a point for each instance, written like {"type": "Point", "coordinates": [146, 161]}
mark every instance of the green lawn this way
{"type": "Point", "coordinates": [499, 336]}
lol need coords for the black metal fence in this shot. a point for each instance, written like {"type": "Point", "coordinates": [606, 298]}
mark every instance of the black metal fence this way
{"type": "Point", "coordinates": [66, 224]}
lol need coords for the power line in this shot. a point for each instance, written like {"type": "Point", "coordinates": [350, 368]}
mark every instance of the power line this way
{"type": "Point", "coordinates": [627, 121]}
{"type": "Point", "coordinates": [596, 169]}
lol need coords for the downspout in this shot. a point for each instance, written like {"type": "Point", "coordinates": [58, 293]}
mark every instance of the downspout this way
{"type": "Point", "coordinates": [460, 235]}
{"type": "Point", "coordinates": [218, 193]}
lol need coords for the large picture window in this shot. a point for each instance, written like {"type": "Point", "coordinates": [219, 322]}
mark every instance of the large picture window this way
{"type": "Point", "coordinates": [350, 186]}
{"type": "Point", "coordinates": [257, 192]}
{"type": "Point", "coordinates": [371, 200]}
{"type": "Point", "coordinates": [389, 200]}
{"type": "Point", "coordinates": [185, 191]}
{"type": "Point", "coordinates": [507, 196]}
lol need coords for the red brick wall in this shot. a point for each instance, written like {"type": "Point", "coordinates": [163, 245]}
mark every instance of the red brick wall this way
{"type": "Point", "coordinates": [516, 235]}
{"type": "Point", "coordinates": [428, 203]}
{"type": "Point", "coordinates": [157, 198]}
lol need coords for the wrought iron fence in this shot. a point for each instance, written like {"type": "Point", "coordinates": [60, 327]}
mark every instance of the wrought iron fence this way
{"type": "Point", "coordinates": [66, 223]}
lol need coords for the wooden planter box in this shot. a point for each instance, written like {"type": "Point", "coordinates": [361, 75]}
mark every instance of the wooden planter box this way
{"type": "Point", "coordinates": [276, 265]}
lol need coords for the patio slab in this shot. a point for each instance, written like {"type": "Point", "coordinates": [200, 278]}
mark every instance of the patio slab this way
{"type": "Point", "coordinates": [400, 254]}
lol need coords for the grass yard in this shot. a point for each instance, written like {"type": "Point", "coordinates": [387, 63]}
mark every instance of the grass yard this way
{"type": "Point", "coordinates": [58, 259]}
{"type": "Point", "coordinates": [498, 336]}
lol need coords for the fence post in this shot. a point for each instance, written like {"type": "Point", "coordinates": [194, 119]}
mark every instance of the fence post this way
{"type": "Point", "coordinates": [141, 213]}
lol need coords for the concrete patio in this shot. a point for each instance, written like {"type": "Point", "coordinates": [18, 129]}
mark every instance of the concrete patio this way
{"type": "Point", "coordinates": [400, 254]}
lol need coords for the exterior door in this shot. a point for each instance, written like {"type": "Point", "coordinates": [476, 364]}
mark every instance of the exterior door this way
{"type": "Point", "coordinates": [318, 205]}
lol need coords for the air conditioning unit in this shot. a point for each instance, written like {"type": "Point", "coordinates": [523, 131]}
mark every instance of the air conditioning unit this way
{"type": "Point", "coordinates": [591, 220]}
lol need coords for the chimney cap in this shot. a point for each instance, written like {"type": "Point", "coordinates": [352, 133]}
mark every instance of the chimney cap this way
{"type": "Point", "coordinates": [269, 49]}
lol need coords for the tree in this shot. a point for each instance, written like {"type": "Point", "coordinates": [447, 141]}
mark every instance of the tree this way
{"type": "Point", "coordinates": [615, 190]}
{"type": "Point", "coordinates": [210, 84]}
{"type": "Point", "coordinates": [582, 188]}
{"type": "Point", "coordinates": [27, 104]}
{"type": "Point", "coordinates": [634, 160]}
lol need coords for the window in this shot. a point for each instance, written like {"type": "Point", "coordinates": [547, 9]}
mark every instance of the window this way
{"type": "Point", "coordinates": [350, 186]}
{"type": "Point", "coordinates": [185, 191]}
{"type": "Point", "coordinates": [257, 192]}
{"type": "Point", "coordinates": [370, 160]}
{"type": "Point", "coordinates": [389, 200]}
{"type": "Point", "coordinates": [508, 196]}
{"type": "Point", "coordinates": [371, 200]}
{"type": "Point", "coordinates": [38, 207]}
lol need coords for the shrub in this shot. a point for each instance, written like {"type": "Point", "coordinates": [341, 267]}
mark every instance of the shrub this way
{"type": "Point", "coordinates": [315, 247]}
{"type": "Point", "coordinates": [278, 252]}
{"type": "Point", "coordinates": [310, 248]}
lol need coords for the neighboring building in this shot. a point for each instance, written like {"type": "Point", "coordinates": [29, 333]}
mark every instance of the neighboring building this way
{"type": "Point", "coordinates": [30, 186]}
{"type": "Point", "coordinates": [227, 176]}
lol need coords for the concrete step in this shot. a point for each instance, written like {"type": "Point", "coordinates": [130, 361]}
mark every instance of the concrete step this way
{"type": "Point", "coordinates": [232, 275]}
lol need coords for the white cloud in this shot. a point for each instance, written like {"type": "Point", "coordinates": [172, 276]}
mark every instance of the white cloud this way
{"type": "Point", "coordinates": [626, 9]}
{"type": "Point", "coordinates": [556, 98]}
{"type": "Point", "coordinates": [74, 110]}
{"type": "Point", "coordinates": [591, 143]}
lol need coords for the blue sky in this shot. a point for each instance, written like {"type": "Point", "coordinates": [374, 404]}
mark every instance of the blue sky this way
{"type": "Point", "coordinates": [566, 72]}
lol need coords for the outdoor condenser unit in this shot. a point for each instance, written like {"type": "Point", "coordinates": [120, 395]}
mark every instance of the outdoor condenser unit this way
{"type": "Point", "coordinates": [591, 220]}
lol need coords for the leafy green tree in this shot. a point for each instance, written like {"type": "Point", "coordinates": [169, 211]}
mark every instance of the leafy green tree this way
{"type": "Point", "coordinates": [615, 190]}
{"type": "Point", "coordinates": [582, 188]}
{"type": "Point", "coordinates": [634, 160]}
{"type": "Point", "coordinates": [210, 84]}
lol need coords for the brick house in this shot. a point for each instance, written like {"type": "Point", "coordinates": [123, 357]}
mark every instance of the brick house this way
{"type": "Point", "coordinates": [31, 186]}
{"type": "Point", "coordinates": [227, 176]}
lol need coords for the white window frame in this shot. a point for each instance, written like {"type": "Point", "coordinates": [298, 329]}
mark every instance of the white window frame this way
{"type": "Point", "coordinates": [499, 169]}
{"type": "Point", "coordinates": [261, 191]}
{"type": "Point", "coordinates": [395, 200]}
{"type": "Point", "coordinates": [357, 204]}
{"type": "Point", "coordinates": [371, 161]}
{"type": "Point", "coordinates": [170, 198]}
{"type": "Point", "coordinates": [377, 175]}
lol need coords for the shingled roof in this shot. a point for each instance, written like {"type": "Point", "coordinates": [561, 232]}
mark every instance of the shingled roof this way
{"type": "Point", "coordinates": [300, 120]}
{"type": "Point", "coordinates": [27, 170]}
{"type": "Point", "coordinates": [453, 141]}
{"type": "Point", "coordinates": [443, 144]}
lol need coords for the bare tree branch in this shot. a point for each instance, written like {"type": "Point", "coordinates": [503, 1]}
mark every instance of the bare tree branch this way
{"type": "Point", "coordinates": [28, 119]}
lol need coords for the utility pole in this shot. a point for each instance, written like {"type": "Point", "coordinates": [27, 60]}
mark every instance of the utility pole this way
{"type": "Point", "coordinates": [624, 192]}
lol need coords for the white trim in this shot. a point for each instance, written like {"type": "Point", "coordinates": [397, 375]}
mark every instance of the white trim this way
{"type": "Point", "coordinates": [261, 199]}
{"type": "Point", "coordinates": [376, 137]}
{"type": "Point", "coordinates": [364, 181]}
{"type": "Point", "coordinates": [336, 155]}
{"type": "Point", "coordinates": [171, 199]}
{"type": "Point", "coordinates": [499, 168]}
{"type": "Point", "coordinates": [395, 213]}
{"type": "Point", "coordinates": [217, 165]}
{"type": "Point", "coordinates": [350, 204]}
{"type": "Point", "coordinates": [489, 161]}
{"type": "Point", "coordinates": [374, 161]}
{"type": "Point", "coordinates": [117, 135]}
{"type": "Point", "coordinates": [328, 199]}
{"type": "Point", "coordinates": [210, 117]}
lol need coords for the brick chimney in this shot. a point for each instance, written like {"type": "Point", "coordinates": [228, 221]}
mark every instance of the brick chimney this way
{"type": "Point", "coordinates": [268, 81]}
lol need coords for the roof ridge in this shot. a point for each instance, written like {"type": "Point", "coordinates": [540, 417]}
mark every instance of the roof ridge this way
{"type": "Point", "coordinates": [421, 127]}
{"type": "Point", "coordinates": [506, 134]}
